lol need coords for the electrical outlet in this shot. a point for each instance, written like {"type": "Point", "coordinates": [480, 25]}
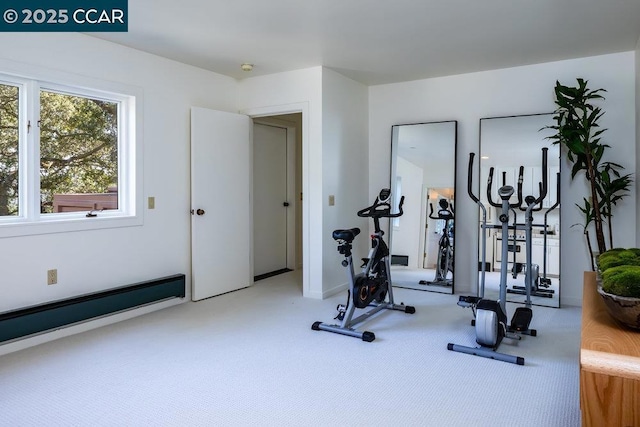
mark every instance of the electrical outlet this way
{"type": "Point", "coordinates": [151, 202]}
{"type": "Point", "coordinates": [52, 277]}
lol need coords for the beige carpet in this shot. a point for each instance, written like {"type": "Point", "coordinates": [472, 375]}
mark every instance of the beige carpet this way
{"type": "Point", "coordinates": [250, 358]}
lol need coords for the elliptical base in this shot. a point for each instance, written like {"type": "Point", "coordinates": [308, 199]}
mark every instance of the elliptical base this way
{"type": "Point", "coordinates": [486, 352]}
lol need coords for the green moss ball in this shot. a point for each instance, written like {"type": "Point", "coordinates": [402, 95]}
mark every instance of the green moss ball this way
{"type": "Point", "coordinates": [623, 280]}
{"type": "Point", "coordinates": [635, 251]}
{"type": "Point", "coordinates": [617, 257]}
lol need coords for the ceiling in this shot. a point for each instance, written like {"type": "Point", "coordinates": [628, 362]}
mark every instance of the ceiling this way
{"type": "Point", "coordinates": [374, 41]}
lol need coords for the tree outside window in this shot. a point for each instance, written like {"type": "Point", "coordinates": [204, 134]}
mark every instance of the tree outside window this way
{"type": "Point", "coordinates": [78, 147]}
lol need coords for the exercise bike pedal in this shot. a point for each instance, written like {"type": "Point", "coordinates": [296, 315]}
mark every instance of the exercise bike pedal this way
{"type": "Point", "coordinates": [521, 319]}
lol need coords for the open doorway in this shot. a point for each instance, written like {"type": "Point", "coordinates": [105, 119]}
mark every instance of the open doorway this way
{"type": "Point", "coordinates": [277, 194]}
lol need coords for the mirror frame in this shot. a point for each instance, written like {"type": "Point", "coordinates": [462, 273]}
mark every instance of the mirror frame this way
{"type": "Point", "coordinates": [392, 180]}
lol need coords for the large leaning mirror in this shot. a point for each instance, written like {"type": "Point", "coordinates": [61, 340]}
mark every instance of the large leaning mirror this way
{"type": "Point", "coordinates": [423, 170]}
{"type": "Point", "coordinates": [512, 147]}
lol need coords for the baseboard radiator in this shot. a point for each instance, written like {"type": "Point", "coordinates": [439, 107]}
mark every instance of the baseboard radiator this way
{"type": "Point", "coordinates": [54, 315]}
{"type": "Point", "coordinates": [400, 260]}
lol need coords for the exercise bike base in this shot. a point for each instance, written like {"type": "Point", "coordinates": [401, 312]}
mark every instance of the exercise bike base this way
{"type": "Point", "coordinates": [363, 335]}
{"type": "Point", "coordinates": [486, 352]}
{"type": "Point", "coordinates": [445, 283]}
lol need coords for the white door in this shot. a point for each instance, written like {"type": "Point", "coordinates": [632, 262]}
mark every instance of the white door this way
{"type": "Point", "coordinates": [270, 203]}
{"type": "Point", "coordinates": [220, 202]}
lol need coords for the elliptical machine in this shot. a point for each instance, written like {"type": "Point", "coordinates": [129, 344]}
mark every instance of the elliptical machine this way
{"type": "Point", "coordinates": [540, 285]}
{"type": "Point", "coordinates": [544, 280]}
{"type": "Point", "coordinates": [372, 287]}
{"type": "Point", "coordinates": [490, 316]}
{"type": "Point", "coordinates": [444, 264]}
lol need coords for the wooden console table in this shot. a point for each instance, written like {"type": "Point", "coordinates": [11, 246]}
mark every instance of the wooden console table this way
{"type": "Point", "coordinates": [609, 365]}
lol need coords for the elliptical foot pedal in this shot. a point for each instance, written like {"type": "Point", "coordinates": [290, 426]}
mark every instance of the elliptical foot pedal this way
{"type": "Point", "coordinates": [521, 319]}
{"type": "Point", "coordinates": [468, 301]}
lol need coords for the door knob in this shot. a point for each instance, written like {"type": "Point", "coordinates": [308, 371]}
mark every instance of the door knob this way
{"type": "Point", "coordinates": [200, 212]}
{"type": "Point", "coordinates": [285, 204]}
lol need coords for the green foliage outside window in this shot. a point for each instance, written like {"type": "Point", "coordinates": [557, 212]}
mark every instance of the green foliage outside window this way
{"type": "Point", "coordinates": [8, 150]}
{"type": "Point", "coordinates": [78, 147]}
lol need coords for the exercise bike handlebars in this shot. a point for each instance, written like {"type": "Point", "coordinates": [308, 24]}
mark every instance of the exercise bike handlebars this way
{"type": "Point", "coordinates": [381, 209]}
{"type": "Point", "coordinates": [444, 213]}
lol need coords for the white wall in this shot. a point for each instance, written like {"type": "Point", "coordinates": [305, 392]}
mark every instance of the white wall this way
{"type": "Point", "coordinates": [334, 158]}
{"type": "Point", "coordinates": [513, 91]}
{"type": "Point", "coordinates": [90, 261]}
{"type": "Point", "coordinates": [345, 171]}
{"type": "Point", "coordinates": [406, 238]}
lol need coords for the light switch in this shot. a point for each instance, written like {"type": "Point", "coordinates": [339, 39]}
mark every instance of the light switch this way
{"type": "Point", "coordinates": [332, 200]}
{"type": "Point", "coordinates": [152, 202]}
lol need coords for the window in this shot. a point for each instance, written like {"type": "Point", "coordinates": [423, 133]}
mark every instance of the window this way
{"type": "Point", "coordinates": [67, 154]}
{"type": "Point", "coordinates": [78, 153]}
{"type": "Point", "coordinates": [9, 149]}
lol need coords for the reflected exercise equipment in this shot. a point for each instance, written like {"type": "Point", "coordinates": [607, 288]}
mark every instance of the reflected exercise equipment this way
{"type": "Point", "coordinates": [539, 285]}
{"type": "Point", "coordinates": [444, 264]}
{"type": "Point", "coordinates": [423, 169]}
{"type": "Point", "coordinates": [510, 147]}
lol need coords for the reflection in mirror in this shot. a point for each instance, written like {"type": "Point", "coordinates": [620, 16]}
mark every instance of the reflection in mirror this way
{"type": "Point", "coordinates": [423, 170]}
{"type": "Point", "coordinates": [510, 145]}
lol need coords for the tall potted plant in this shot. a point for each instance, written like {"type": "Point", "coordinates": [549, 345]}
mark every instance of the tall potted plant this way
{"type": "Point", "coordinates": [578, 129]}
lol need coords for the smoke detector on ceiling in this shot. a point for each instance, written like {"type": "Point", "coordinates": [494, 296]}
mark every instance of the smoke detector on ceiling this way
{"type": "Point", "coordinates": [246, 67]}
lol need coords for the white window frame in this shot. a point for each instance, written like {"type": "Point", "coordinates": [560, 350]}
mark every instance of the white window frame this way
{"type": "Point", "coordinates": [130, 200]}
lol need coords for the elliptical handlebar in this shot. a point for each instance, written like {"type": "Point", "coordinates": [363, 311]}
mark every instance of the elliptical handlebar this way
{"type": "Point", "coordinates": [532, 201]}
{"type": "Point", "coordinates": [520, 181]}
{"type": "Point", "coordinates": [470, 178]}
{"type": "Point", "coordinates": [518, 192]}
{"type": "Point", "coordinates": [382, 209]}
{"type": "Point", "coordinates": [489, 186]}
{"type": "Point", "coordinates": [543, 189]}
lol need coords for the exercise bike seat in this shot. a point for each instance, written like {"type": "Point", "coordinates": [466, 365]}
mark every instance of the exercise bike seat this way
{"type": "Point", "coordinates": [346, 235]}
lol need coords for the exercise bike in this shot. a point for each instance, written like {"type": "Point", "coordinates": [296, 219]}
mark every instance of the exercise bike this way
{"type": "Point", "coordinates": [490, 315]}
{"type": "Point", "coordinates": [444, 264]}
{"type": "Point", "coordinates": [372, 287]}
